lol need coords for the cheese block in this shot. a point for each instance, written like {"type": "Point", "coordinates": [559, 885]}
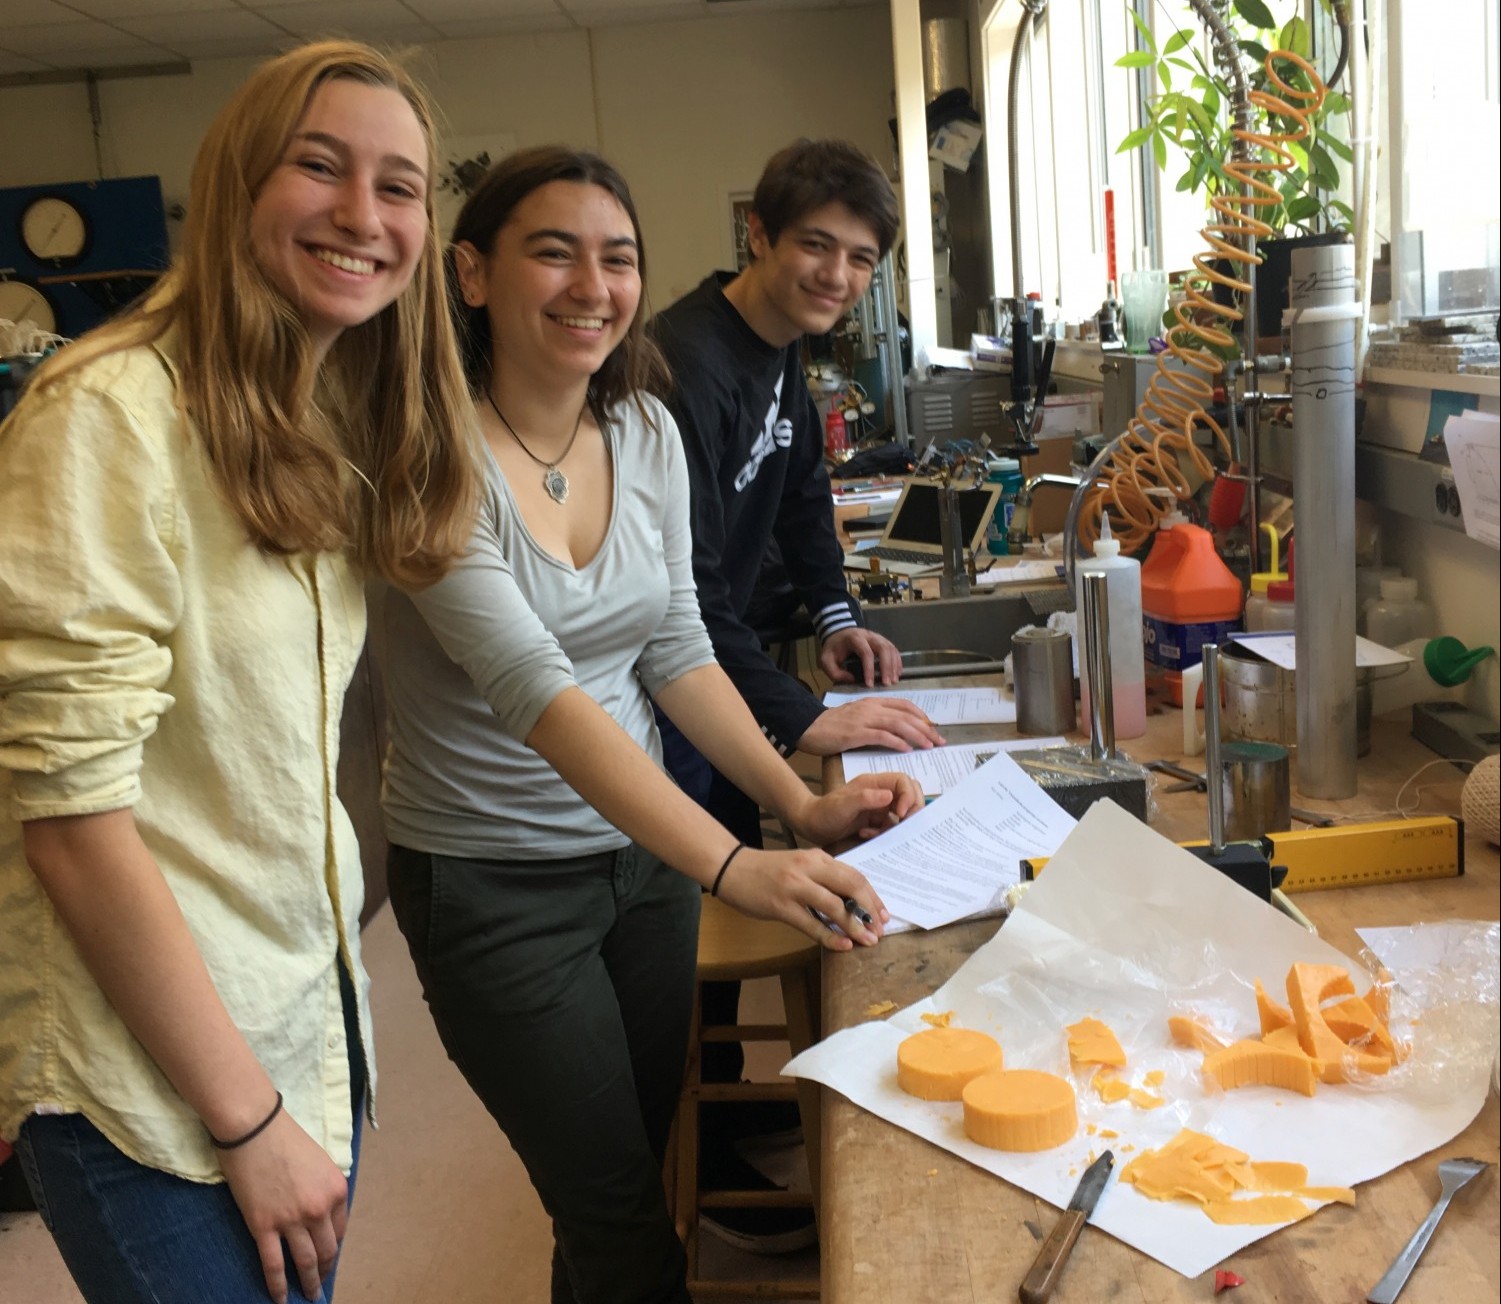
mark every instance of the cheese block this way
{"type": "Point", "coordinates": [936, 1063]}
{"type": "Point", "coordinates": [1092, 1042]}
{"type": "Point", "coordinates": [1019, 1109]}
{"type": "Point", "coordinates": [1308, 987]}
{"type": "Point", "coordinates": [1257, 1064]}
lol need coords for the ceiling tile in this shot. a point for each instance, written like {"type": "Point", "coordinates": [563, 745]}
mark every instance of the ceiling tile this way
{"type": "Point", "coordinates": [228, 33]}
{"type": "Point", "coordinates": [506, 12]}
{"type": "Point", "coordinates": [470, 28]}
{"type": "Point", "coordinates": [113, 10]}
{"type": "Point", "coordinates": [577, 8]}
{"type": "Point", "coordinates": [80, 45]}
{"type": "Point", "coordinates": [15, 63]}
{"type": "Point", "coordinates": [40, 13]}
{"type": "Point", "coordinates": [363, 18]}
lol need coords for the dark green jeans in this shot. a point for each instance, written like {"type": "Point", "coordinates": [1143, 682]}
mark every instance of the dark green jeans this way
{"type": "Point", "coordinates": [563, 991]}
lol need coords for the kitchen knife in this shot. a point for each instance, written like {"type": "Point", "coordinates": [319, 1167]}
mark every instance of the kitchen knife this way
{"type": "Point", "coordinates": [1048, 1266]}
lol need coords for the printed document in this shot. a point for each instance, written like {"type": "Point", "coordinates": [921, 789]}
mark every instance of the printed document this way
{"type": "Point", "coordinates": [976, 705]}
{"type": "Point", "coordinates": [938, 768]}
{"type": "Point", "coordinates": [957, 856]}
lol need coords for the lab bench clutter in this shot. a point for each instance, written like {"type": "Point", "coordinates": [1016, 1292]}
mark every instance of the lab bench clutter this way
{"type": "Point", "coordinates": [1157, 1002]}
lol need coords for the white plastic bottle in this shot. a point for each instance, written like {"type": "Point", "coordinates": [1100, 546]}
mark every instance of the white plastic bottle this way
{"type": "Point", "coordinates": [1128, 681]}
{"type": "Point", "coordinates": [1399, 615]}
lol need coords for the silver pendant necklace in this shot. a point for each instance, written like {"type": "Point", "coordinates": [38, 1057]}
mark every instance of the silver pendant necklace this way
{"type": "Point", "coordinates": [553, 480]}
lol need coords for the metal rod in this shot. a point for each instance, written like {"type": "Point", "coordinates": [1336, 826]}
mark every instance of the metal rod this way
{"type": "Point", "coordinates": [891, 348]}
{"type": "Point", "coordinates": [1323, 321]}
{"type": "Point", "coordinates": [1097, 667]}
{"type": "Point", "coordinates": [1214, 773]}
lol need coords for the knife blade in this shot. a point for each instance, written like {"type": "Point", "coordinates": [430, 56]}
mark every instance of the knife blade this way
{"type": "Point", "coordinates": [1051, 1257]}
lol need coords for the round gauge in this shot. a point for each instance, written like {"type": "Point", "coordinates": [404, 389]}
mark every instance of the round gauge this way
{"type": "Point", "coordinates": [54, 230]}
{"type": "Point", "coordinates": [23, 303]}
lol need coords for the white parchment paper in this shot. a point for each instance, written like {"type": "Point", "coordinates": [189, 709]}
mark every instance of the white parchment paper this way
{"type": "Point", "coordinates": [1128, 927]}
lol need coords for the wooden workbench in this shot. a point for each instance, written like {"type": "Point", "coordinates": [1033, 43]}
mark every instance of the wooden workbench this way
{"type": "Point", "coordinates": [905, 1222]}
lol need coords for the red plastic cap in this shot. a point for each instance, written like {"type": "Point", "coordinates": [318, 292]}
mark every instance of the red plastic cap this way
{"type": "Point", "coordinates": [1280, 591]}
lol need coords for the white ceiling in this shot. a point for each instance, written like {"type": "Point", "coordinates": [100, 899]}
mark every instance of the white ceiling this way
{"type": "Point", "coordinates": [40, 36]}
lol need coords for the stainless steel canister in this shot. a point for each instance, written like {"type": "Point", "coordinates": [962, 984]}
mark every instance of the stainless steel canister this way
{"type": "Point", "coordinates": [1257, 789]}
{"type": "Point", "coordinates": [1261, 700]}
{"type": "Point", "coordinates": [1042, 673]}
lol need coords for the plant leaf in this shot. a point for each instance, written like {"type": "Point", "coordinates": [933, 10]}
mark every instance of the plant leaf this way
{"type": "Point", "coordinates": [1343, 209]}
{"type": "Point", "coordinates": [1159, 148]}
{"type": "Point", "coordinates": [1294, 36]}
{"type": "Point", "coordinates": [1301, 208]}
{"type": "Point", "coordinates": [1176, 42]}
{"type": "Point", "coordinates": [1334, 102]}
{"type": "Point", "coordinates": [1255, 13]}
{"type": "Point", "coordinates": [1255, 49]}
{"type": "Point", "coordinates": [1136, 59]}
{"type": "Point", "coordinates": [1135, 140]}
{"type": "Point", "coordinates": [1146, 32]}
{"type": "Point", "coordinates": [1337, 146]}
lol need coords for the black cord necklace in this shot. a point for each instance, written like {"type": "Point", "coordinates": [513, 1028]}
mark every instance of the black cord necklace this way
{"type": "Point", "coordinates": [553, 480]}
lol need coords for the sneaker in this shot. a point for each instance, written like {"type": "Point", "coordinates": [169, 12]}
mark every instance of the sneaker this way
{"type": "Point", "coordinates": [756, 1231]}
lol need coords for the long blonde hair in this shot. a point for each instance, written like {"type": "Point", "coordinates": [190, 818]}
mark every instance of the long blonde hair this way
{"type": "Point", "coordinates": [374, 451]}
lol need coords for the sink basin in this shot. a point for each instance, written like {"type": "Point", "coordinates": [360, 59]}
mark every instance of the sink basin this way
{"type": "Point", "coordinates": [953, 636]}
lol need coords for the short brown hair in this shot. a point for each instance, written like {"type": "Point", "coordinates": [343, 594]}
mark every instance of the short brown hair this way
{"type": "Point", "coordinates": [811, 173]}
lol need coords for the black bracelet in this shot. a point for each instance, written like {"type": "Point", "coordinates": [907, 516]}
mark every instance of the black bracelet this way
{"type": "Point", "coordinates": [250, 1135]}
{"type": "Point", "coordinates": [719, 877]}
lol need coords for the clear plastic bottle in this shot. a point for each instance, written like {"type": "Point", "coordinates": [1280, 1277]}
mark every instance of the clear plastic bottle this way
{"type": "Point", "coordinates": [1127, 669]}
{"type": "Point", "coordinates": [1438, 666]}
{"type": "Point", "coordinates": [1368, 589]}
{"type": "Point", "coordinates": [1274, 610]}
{"type": "Point", "coordinates": [1399, 615]}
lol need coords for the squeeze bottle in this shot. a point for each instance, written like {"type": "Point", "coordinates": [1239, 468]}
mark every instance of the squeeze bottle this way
{"type": "Point", "coordinates": [1438, 666]}
{"type": "Point", "coordinates": [1258, 601]}
{"type": "Point", "coordinates": [1127, 671]}
{"type": "Point", "coordinates": [1189, 597]}
{"type": "Point", "coordinates": [1398, 615]}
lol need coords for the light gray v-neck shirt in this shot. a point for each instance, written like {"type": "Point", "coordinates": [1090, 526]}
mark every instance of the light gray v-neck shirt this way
{"type": "Point", "coordinates": [471, 662]}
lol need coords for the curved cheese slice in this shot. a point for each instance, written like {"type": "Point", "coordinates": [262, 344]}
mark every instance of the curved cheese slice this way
{"type": "Point", "coordinates": [936, 1063]}
{"type": "Point", "coordinates": [1257, 1064]}
{"type": "Point", "coordinates": [1194, 1032]}
{"type": "Point", "coordinates": [1020, 1109]}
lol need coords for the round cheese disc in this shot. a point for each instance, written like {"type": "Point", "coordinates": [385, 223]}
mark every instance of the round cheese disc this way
{"type": "Point", "coordinates": [1019, 1109]}
{"type": "Point", "coordinates": [936, 1063]}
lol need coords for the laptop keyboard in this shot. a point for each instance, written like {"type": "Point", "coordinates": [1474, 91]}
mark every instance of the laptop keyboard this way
{"type": "Point", "coordinates": [914, 555]}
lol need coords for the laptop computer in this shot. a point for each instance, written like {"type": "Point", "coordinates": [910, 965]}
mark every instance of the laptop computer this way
{"type": "Point", "coordinates": [911, 542]}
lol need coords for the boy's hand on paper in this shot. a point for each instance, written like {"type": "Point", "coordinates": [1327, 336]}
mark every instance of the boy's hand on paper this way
{"type": "Point", "coordinates": [791, 885]}
{"type": "Point", "coordinates": [893, 723]}
{"type": "Point", "coordinates": [878, 658]}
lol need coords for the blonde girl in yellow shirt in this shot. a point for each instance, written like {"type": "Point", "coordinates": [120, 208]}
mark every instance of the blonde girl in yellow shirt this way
{"type": "Point", "coordinates": [191, 495]}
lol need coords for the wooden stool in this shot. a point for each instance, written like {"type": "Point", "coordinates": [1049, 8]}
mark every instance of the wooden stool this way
{"type": "Point", "coordinates": [734, 947]}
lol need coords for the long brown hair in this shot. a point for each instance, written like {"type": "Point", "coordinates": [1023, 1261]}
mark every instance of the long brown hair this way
{"type": "Point", "coordinates": [636, 365]}
{"type": "Point", "coordinates": [375, 450]}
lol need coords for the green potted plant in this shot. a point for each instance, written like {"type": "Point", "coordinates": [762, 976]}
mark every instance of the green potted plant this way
{"type": "Point", "coordinates": [1190, 108]}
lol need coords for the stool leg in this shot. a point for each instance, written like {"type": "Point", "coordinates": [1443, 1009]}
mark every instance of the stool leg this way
{"type": "Point", "coordinates": [685, 1188]}
{"type": "Point", "coordinates": [799, 1000]}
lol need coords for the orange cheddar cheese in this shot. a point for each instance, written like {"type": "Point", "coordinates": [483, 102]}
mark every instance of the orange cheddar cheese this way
{"type": "Point", "coordinates": [1355, 1023]}
{"type": "Point", "coordinates": [1308, 987]}
{"type": "Point", "coordinates": [1272, 1015]}
{"type": "Point", "coordinates": [1193, 1032]}
{"type": "Point", "coordinates": [1258, 1211]}
{"type": "Point", "coordinates": [1256, 1064]}
{"type": "Point", "coordinates": [1020, 1110]}
{"type": "Point", "coordinates": [1092, 1042]}
{"type": "Point", "coordinates": [936, 1063]}
{"type": "Point", "coordinates": [1108, 1087]}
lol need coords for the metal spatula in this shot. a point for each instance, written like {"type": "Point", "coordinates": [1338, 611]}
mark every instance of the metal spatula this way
{"type": "Point", "coordinates": [1454, 1174]}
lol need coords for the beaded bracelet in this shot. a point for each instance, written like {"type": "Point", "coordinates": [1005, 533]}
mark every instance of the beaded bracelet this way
{"type": "Point", "coordinates": [250, 1135]}
{"type": "Point", "coordinates": [719, 877]}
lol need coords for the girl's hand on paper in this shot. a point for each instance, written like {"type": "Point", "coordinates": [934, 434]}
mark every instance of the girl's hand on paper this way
{"type": "Point", "coordinates": [792, 885]}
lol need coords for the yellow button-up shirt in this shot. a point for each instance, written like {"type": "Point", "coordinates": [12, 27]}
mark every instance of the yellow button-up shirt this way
{"type": "Point", "coordinates": [152, 658]}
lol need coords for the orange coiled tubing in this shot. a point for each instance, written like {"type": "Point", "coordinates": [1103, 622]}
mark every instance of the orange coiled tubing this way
{"type": "Point", "coordinates": [1140, 482]}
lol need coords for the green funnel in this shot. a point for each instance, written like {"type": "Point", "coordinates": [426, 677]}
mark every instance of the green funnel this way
{"type": "Point", "coordinates": [1449, 662]}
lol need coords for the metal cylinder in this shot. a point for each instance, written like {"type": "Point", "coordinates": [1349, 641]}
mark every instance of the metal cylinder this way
{"type": "Point", "coordinates": [945, 56]}
{"type": "Point", "coordinates": [1096, 589]}
{"type": "Point", "coordinates": [1042, 675]}
{"type": "Point", "coordinates": [1212, 754]}
{"type": "Point", "coordinates": [1255, 790]}
{"type": "Point", "coordinates": [1322, 320]}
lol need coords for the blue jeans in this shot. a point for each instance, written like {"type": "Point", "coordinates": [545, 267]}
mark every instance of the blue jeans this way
{"type": "Point", "coordinates": [135, 1235]}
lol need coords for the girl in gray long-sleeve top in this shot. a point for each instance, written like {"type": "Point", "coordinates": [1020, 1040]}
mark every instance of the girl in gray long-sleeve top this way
{"type": "Point", "coordinates": [544, 869]}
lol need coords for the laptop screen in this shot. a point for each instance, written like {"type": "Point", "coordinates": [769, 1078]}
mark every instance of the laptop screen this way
{"type": "Point", "coordinates": [916, 519]}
